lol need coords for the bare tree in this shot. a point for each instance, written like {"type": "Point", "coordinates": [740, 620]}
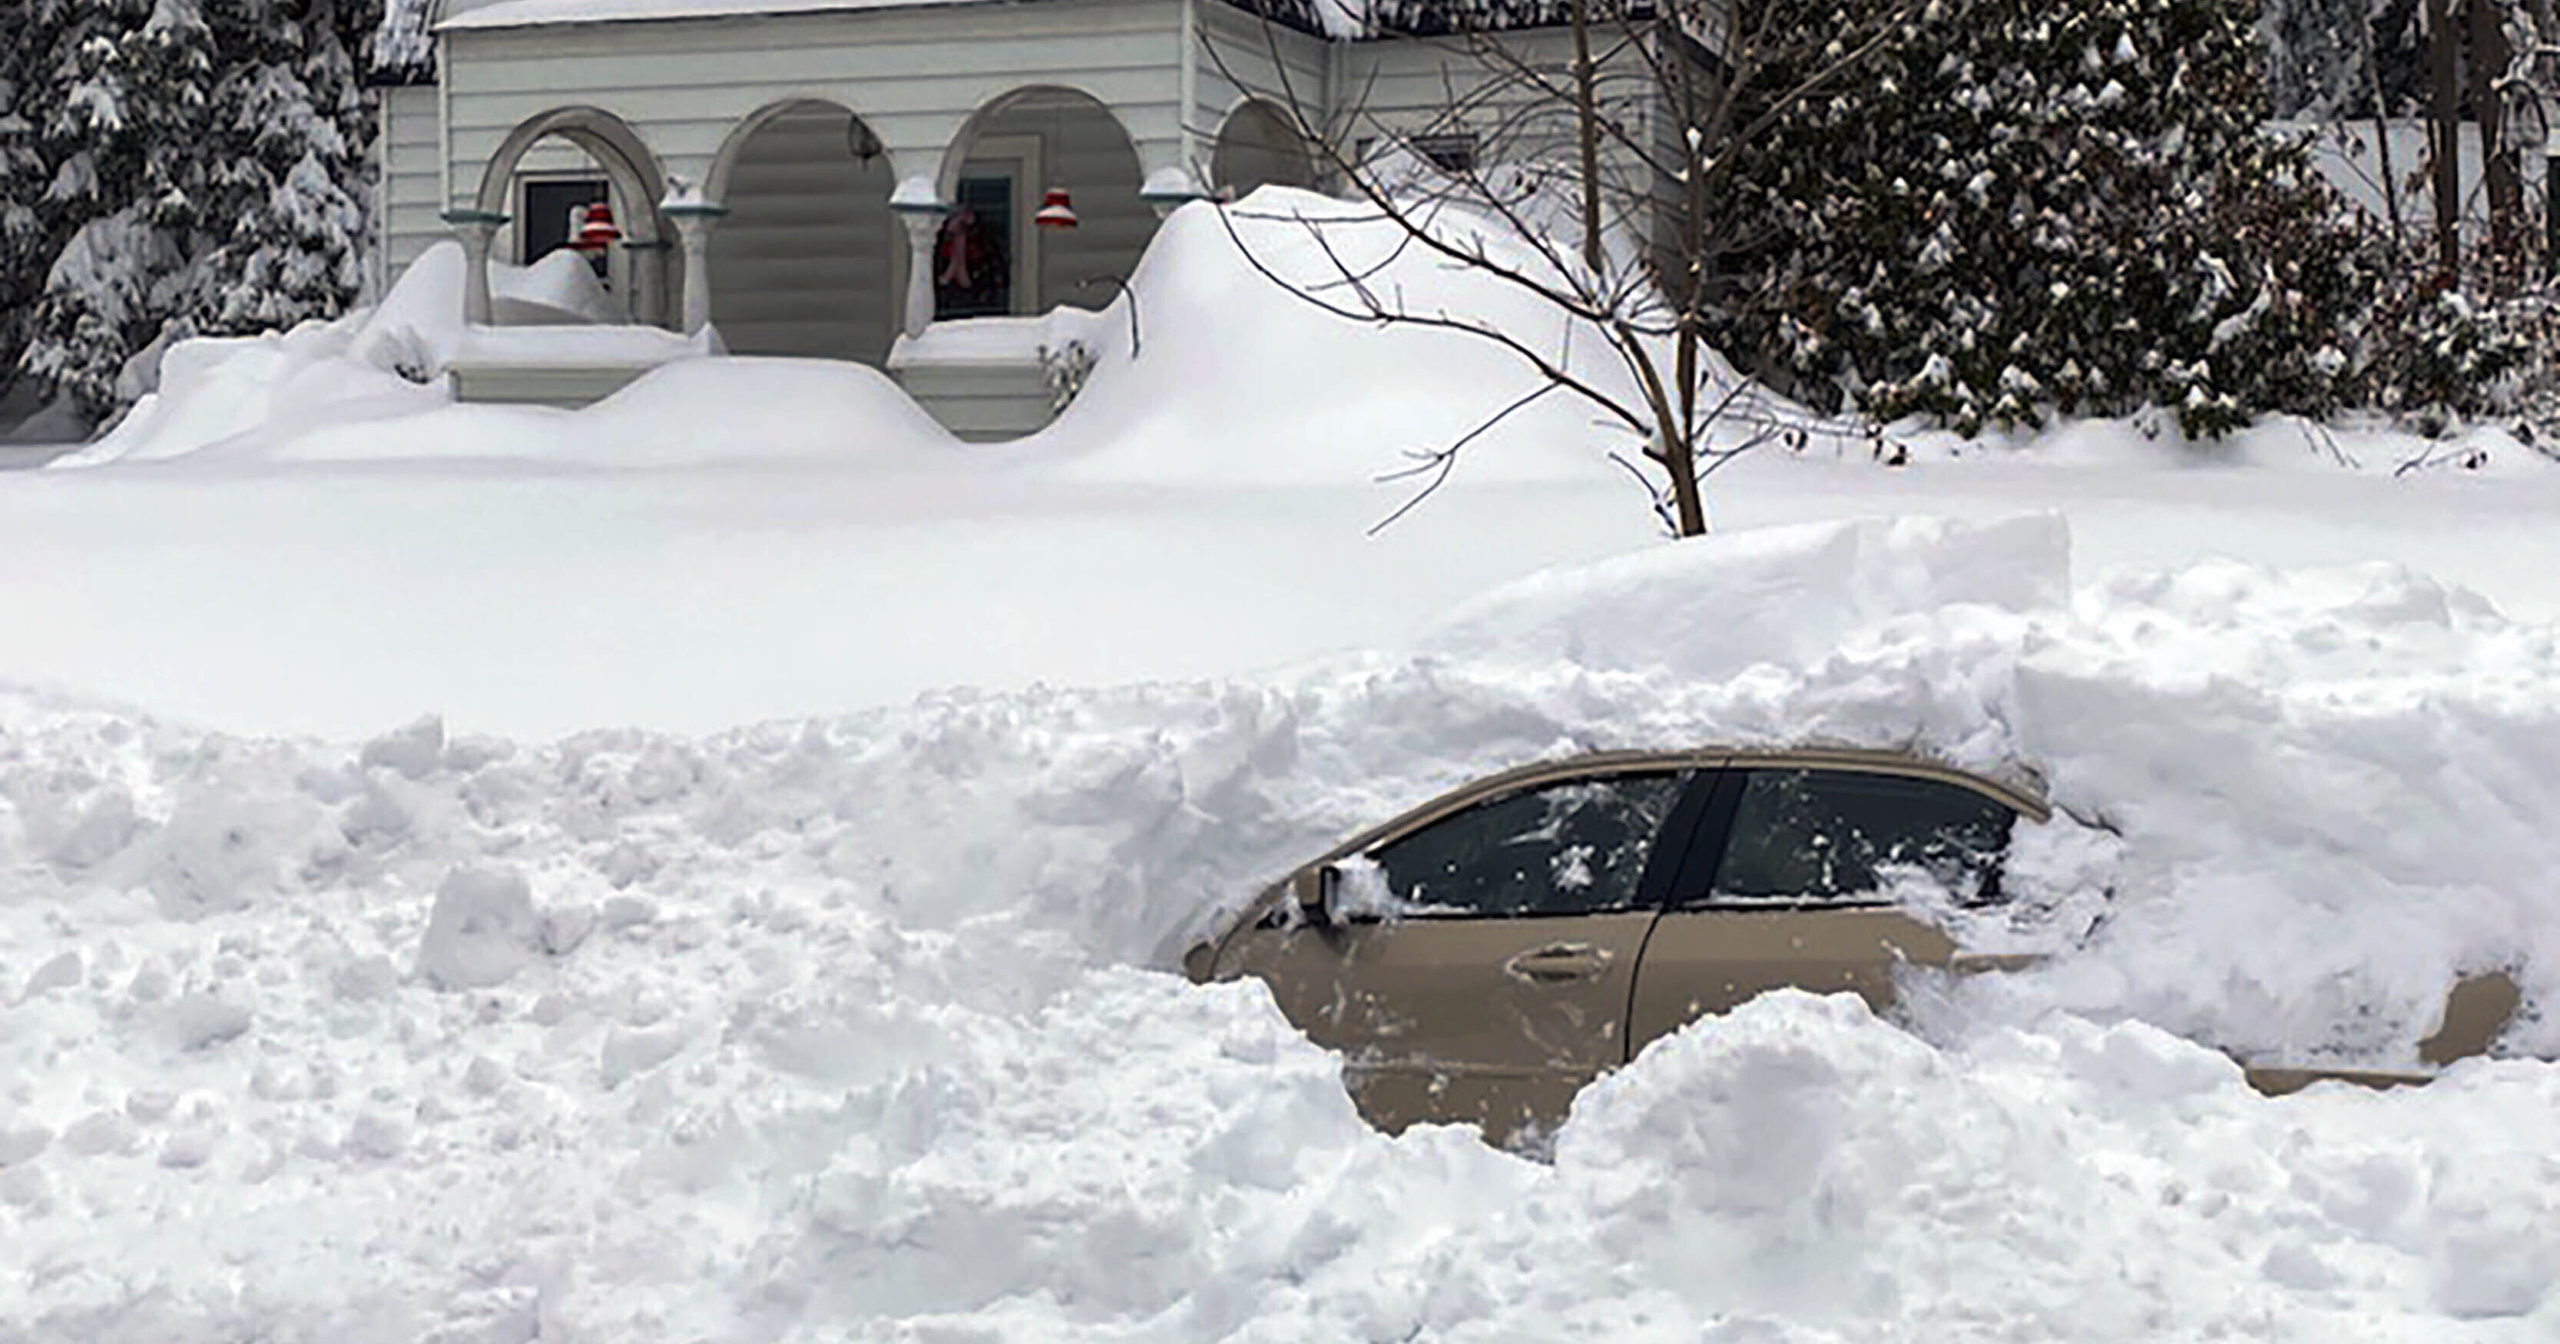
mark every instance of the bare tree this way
{"type": "Point", "coordinates": [1636, 123]}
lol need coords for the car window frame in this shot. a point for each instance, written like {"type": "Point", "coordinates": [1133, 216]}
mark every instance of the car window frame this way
{"type": "Point", "coordinates": [1714, 841]}
{"type": "Point", "coordinates": [1671, 839]}
{"type": "Point", "coordinates": [1271, 907]}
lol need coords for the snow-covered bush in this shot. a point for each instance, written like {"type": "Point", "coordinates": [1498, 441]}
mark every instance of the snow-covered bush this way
{"type": "Point", "coordinates": [2021, 206]}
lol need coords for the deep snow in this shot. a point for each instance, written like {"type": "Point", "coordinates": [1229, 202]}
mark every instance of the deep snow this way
{"type": "Point", "coordinates": [296, 539]}
{"type": "Point", "coordinates": [850, 1022]}
{"type": "Point", "coordinates": [834, 1029]}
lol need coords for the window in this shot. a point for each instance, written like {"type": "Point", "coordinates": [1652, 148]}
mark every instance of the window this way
{"type": "Point", "coordinates": [1815, 836]}
{"type": "Point", "coordinates": [551, 207]}
{"type": "Point", "coordinates": [1452, 153]}
{"type": "Point", "coordinates": [1575, 848]}
{"type": "Point", "coordinates": [973, 262]}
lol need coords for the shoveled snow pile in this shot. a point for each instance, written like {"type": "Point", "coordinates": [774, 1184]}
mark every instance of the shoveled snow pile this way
{"type": "Point", "coordinates": [845, 1029]}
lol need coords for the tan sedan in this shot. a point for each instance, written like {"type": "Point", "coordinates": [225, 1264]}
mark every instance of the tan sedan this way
{"type": "Point", "coordinates": [1483, 956]}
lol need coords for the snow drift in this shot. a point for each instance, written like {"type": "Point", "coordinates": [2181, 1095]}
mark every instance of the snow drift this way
{"type": "Point", "coordinates": [843, 1029]}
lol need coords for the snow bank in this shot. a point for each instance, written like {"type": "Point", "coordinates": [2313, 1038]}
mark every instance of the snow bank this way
{"type": "Point", "coordinates": [1239, 382]}
{"type": "Point", "coordinates": [830, 1029]}
{"type": "Point", "coordinates": [691, 412]}
{"type": "Point", "coordinates": [373, 379]}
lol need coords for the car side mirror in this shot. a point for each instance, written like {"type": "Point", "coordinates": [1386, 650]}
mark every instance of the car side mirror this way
{"type": "Point", "coordinates": [1317, 893]}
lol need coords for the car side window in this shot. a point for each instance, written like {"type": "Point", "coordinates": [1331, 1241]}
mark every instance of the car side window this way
{"type": "Point", "coordinates": [1574, 848]}
{"type": "Point", "coordinates": [1821, 836]}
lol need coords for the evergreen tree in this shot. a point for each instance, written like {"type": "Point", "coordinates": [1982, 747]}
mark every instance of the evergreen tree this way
{"type": "Point", "coordinates": [2324, 57]}
{"type": "Point", "coordinates": [131, 74]}
{"type": "Point", "coordinates": [25, 252]}
{"type": "Point", "coordinates": [2027, 205]}
{"type": "Point", "coordinates": [283, 211]}
{"type": "Point", "coordinates": [204, 170]}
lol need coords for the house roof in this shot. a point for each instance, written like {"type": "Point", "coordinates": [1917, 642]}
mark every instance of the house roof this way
{"type": "Point", "coordinates": [533, 13]}
{"type": "Point", "coordinates": [1335, 18]}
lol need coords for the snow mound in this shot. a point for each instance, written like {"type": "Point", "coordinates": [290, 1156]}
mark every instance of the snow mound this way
{"type": "Point", "coordinates": [840, 1028]}
{"type": "Point", "coordinates": [690, 412]}
{"type": "Point", "coordinates": [1713, 607]}
{"type": "Point", "coordinates": [1237, 381]}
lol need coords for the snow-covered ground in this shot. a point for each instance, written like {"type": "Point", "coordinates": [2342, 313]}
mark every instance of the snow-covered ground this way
{"type": "Point", "coordinates": [766, 942]}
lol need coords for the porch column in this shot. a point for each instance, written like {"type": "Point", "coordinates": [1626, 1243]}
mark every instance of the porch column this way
{"type": "Point", "coordinates": [478, 230]}
{"type": "Point", "coordinates": [693, 220]}
{"type": "Point", "coordinates": [918, 205]}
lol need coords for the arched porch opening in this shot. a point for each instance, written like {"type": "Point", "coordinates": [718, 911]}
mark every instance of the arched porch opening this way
{"type": "Point", "coordinates": [550, 164]}
{"type": "Point", "coordinates": [1259, 146]}
{"type": "Point", "coordinates": [990, 259]}
{"type": "Point", "coordinates": [807, 261]}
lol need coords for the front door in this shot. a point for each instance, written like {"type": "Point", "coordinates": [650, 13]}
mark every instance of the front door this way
{"type": "Point", "coordinates": [1477, 968]}
{"type": "Point", "coordinates": [1803, 895]}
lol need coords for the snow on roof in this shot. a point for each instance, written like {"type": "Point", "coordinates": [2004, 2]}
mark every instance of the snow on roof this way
{"type": "Point", "coordinates": [1334, 18]}
{"type": "Point", "coordinates": [529, 13]}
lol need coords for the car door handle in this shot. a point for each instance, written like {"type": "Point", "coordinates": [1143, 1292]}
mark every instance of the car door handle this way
{"type": "Point", "coordinates": [1557, 963]}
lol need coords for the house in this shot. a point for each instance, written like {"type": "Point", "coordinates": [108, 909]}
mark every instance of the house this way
{"type": "Point", "coordinates": [860, 179]}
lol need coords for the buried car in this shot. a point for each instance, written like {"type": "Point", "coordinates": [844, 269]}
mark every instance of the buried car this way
{"type": "Point", "coordinates": [1482, 957]}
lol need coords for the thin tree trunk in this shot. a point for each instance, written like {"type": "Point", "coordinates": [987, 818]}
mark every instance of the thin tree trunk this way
{"type": "Point", "coordinates": [1679, 453]}
{"type": "Point", "coordinates": [1587, 109]}
{"type": "Point", "coordinates": [2443, 67]}
{"type": "Point", "coordinates": [2497, 163]}
{"type": "Point", "coordinates": [2382, 136]}
{"type": "Point", "coordinates": [1689, 291]}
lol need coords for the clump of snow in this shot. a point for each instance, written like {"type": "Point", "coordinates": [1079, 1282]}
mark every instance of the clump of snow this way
{"type": "Point", "coordinates": [481, 930]}
{"type": "Point", "coordinates": [414, 751]}
{"type": "Point", "coordinates": [558, 288]}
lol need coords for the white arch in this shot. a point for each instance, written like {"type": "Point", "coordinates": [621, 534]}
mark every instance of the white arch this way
{"type": "Point", "coordinates": [1287, 143]}
{"type": "Point", "coordinates": [628, 164]}
{"type": "Point", "coordinates": [724, 161]}
{"type": "Point", "coordinates": [956, 154]}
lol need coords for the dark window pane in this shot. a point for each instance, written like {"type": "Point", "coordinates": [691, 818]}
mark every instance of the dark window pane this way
{"type": "Point", "coordinates": [1576, 848]}
{"type": "Point", "coordinates": [550, 204]}
{"type": "Point", "coordinates": [1451, 153]}
{"type": "Point", "coordinates": [973, 255]}
{"type": "Point", "coordinates": [1833, 835]}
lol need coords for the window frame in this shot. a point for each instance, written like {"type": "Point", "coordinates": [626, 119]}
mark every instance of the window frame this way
{"type": "Point", "coordinates": [1692, 786]}
{"type": "Point", "coordinates": [1704, 845]}
{"type": "Point", "coordinates": [526, 181]}
{"type": "Point", "coordinates": [1714, 840]}
{"type": "Point", "coordinates": [1020, 157]}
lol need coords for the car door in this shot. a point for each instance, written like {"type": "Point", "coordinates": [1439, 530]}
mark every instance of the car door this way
{"type": "Point", "coordinates": [1787, 886]}
{"type": "Point", "coordinates": [1477, 966]}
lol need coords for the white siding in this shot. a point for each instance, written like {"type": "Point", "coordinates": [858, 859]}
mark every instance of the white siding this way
{"type": "Point", "coordinates": [804, 264]}
{"type": "Point", "coordinates": [914, 76]}
{"type": "Point", "coordinates": [1236, 54]}
{"type": "Point", "coordinates": [411, 204]}
{"type": "Point", "coordinates": [982, 403]}
{"type": "Point", "coordinates": [1366, 91]}
{"type": "Point", "coordinates": [1442, 86]}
